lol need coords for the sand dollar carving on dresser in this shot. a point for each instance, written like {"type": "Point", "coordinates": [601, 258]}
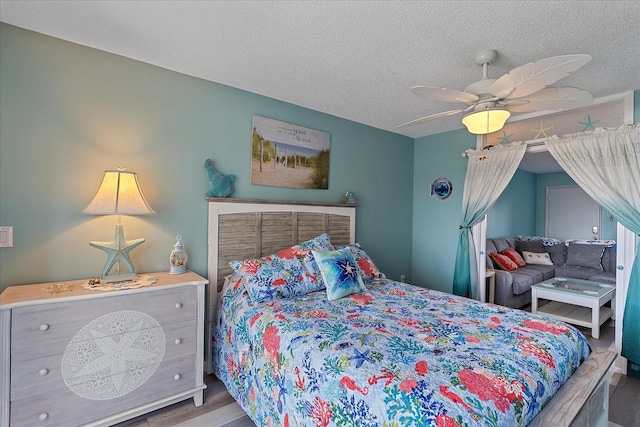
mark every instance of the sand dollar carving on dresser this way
{"type": "Point", "coordinates": [113, 355]}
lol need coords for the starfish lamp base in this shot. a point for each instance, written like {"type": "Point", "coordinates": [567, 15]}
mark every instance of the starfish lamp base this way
{"type": "Point", "coordinates": [118, 252]}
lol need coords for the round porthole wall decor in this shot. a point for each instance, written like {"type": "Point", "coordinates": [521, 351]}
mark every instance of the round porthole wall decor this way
{"type": "Point", "coordinates": [441, 188]}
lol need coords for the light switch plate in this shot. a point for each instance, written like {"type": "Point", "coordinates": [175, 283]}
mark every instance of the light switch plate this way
{"type": "Point", "coordinates": [6, 236]}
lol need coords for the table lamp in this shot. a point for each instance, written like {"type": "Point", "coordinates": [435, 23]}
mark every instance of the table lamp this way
{"type": "Point", "coordinates": [118, 194]}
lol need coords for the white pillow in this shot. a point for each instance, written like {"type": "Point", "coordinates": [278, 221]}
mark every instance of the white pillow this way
{"type": "Point", "coordinates": [537, 258]}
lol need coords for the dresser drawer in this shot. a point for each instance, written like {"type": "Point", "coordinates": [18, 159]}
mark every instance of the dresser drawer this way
{"type": "Point", "coordinates": [65, 408]}
{"type": "Point", "coordinates": [45, 329]}
{"type": "Point", "coordinates": [44, 374]}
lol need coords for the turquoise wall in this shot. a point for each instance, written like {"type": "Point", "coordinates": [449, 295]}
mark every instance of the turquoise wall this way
{"type": "Point", "coordinates": [515, 211]}
{"type": "Point", "coordinates": [68, 112]}
{"type": "Point", "coordinates": [435, 222]}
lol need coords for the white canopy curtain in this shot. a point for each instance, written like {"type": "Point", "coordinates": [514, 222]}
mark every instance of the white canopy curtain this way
{"type": "Point", "coordinates": [605, 163]}
{"type": "Point", "coordinates": [489, 170]}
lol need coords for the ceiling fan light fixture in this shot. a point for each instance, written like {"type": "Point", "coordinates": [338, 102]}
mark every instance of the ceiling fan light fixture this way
{"type": "Point", "coordinates": [524, 89]}
{"type": "Point", "coordinates": [486, 121]}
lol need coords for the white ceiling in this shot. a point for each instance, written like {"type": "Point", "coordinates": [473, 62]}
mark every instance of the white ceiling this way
{"type": "Point", "coordinates": [353, 59]}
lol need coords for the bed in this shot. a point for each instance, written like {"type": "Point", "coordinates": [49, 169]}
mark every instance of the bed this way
{"type": "Point", "coordinates": [388, 354]}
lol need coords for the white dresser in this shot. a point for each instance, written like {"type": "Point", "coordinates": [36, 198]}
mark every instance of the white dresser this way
{"type": "Point", "coordinates": [75, 357]}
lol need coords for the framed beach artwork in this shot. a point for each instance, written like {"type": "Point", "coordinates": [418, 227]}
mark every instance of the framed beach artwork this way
{"type": "Point", "coordinates": [287, 155]}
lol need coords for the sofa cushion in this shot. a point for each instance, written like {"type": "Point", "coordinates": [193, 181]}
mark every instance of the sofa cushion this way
{"type": "Point", "coordinates": [576, 272]}
{"type": "Point", "coordinates": [609, 259]}
{"type": "Point", "coordinates": [541, 258]}
{"type": "Point", "coordinates": [514, 256]}
{"type": "Point", "coordinates": [604, 277]}
{"type": "Point", "coordinates": [558, 253]}
{"type": "Point", "coordinates": [523, 278]}
{"type": "Point", "coordinates": [582, 255]}
{"type": "Point", "coordinates": [503, 261]}
{"type": "Point", "coordinates": [547, 271]}
{"type": "Point", "coordinates": [535, 246]}
{"type": "Point", "coordinates": [502, 244]}
{"type": "Point", "coordinates": [490, 248]}
{"type": "Point", "coordinates": [532, 272]}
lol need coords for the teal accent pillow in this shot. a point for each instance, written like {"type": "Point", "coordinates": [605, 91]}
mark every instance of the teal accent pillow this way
{"type": "Point", "coordinates": [339, 272]}
{"type": "Point", "coordinates": [367, 269]}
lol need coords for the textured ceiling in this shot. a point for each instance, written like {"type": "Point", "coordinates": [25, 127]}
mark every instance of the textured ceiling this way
{"type": "Point", "coordinates": [353, 59]}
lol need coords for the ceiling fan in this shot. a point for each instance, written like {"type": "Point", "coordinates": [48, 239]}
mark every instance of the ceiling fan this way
{"type": "Point", "coordinates": [524, 89]}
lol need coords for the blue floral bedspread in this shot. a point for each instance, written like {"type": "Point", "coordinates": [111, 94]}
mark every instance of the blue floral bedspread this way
{"type": "Point", "coordinates": [395, 355]}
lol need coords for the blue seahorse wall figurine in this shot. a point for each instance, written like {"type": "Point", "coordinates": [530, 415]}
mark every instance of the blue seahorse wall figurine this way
{"type": "Point", "coordinates": [219, 185]}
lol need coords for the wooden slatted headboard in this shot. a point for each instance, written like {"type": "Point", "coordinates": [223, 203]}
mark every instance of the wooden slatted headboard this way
{"type": "Point", "coordinates": [241, 229]}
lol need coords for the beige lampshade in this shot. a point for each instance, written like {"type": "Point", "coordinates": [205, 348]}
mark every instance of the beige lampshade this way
{"type": "Point", "coordinates": [119, 193]}
{"type": "Point", "coordinates": [485, 121]}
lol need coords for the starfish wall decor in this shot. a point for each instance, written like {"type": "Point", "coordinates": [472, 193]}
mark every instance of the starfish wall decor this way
{"type": "Point", "coordinates": [505, 138]}
{"type": "Point", "coordinates": [542, 131]}
{"type": "Point", "coordinates": [589, 124]}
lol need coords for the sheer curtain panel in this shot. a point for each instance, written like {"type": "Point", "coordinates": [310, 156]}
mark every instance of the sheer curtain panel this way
{"type": "Point", "coordinates": [489, 170]}
{"type": "Point", "coordinates": [606, 164]}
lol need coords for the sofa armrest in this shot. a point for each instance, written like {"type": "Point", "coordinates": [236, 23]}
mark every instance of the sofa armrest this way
{"type": "Point", "coordinates": [504, 288]}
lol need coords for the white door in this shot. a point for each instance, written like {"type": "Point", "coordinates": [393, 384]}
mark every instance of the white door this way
{"type": "Point", "coordinates": [572, 214]}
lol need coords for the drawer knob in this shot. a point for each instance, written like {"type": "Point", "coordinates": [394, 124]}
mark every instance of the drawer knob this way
{"type": "Point", "coordinates": [178, 341]}
{"type": "Point", "coordinates": [178, 305]}
{"type": "Point", "coordinates": [177, 377]}
{"type": "Point", "coordinates": [44, 327]}
{"type": "Point", "coordinates": [43, 371]}
{"type": "Point", "coordinates": [43, 416]}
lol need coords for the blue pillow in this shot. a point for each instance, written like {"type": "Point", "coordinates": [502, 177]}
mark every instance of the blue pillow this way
{"type": "Point", "coordinates": [302, 251]}
{"type": "Point", "coordinates": [318, 243]}
{"type": "Point", "coordinates": [270, 278]}
{"type": "Point", "coordinates": [366, 267]}
{"type": "Point", "coordinates": [339, 272]}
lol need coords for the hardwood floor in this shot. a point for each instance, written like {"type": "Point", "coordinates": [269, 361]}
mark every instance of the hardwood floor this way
{"type": "Point", "coordinates": [622, 410]}
{"type": "Point", "coordinates": [220, 409]}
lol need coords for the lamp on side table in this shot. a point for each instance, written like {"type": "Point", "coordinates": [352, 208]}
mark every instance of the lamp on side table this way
{"type": "Point", "coordinates": [118, 194]}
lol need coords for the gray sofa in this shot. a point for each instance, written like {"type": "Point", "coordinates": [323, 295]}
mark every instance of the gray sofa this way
{"type": "Point", "coordinates": [513, 288]}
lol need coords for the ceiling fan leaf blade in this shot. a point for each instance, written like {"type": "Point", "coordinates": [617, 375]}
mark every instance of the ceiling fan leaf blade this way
{"type": "Point", "coordinates": [444, 94]}
{"type": "Point", "coordinates": [431, 117]}
{"type": "Point", "coordinates": [552, 98]}
{"type": "Point", "coordinates": [534, 76]}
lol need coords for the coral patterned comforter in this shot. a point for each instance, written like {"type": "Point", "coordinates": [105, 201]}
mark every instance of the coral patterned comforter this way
{"type": "Point", "coordinates": [395, 355]}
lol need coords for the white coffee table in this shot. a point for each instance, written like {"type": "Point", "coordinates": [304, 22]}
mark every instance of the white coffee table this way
{"type": "Point", "coordinates": [579, 302]}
